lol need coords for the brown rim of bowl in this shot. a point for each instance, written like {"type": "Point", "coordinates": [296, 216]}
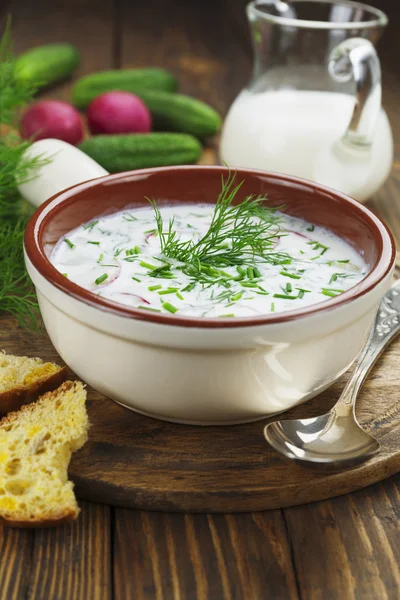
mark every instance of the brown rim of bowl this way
{"type": "Point", "coordinates": [38, 258]}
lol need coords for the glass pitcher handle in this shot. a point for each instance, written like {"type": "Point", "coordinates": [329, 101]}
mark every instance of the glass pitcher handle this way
{"type": "Point", "coordinates": [356, 59]}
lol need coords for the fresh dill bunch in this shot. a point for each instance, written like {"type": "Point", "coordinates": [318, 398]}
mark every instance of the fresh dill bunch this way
{"type": "Point", "coordinates": [17, 296]}
{"type": "Point", "coordinates": [14, 167]}
{"type": "Point", "coordinates": [236, 236]}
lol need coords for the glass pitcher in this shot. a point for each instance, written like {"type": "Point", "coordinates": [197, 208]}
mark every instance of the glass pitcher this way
{"type": "Point", "coordinates": [313, 105]}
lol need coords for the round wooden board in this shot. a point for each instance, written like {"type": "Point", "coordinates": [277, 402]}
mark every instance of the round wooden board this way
{"type": "Point", "coordinates": [139, 462]}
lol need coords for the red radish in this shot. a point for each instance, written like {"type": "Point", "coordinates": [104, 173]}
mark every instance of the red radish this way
{"type": "Point", "coordinates": [52, 119]}
{"type": "Point", "coordinates": [118, 112]}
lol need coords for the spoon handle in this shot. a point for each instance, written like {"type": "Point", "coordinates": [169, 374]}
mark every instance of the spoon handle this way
{"type": "Point", "coordinates": [385, 329]}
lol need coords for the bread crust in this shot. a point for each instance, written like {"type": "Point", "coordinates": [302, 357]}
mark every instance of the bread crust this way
{"type": "Point", "coordinates": [66, 517]}
{"type": "Point", "coordinates": [14, 399]}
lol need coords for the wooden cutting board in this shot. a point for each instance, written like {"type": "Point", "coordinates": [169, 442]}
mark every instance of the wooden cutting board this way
{"type": "Point", "coordinates": [139, 462]}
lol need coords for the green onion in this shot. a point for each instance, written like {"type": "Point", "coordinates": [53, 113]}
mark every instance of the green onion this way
{"type": "Point", "coordinates": [170, 307]}
{"type": "Point", "coordinates": [94, 243]}
{"type": "Point", "coordinates": [90, 225]}
{"type": "Point", "coordinates": [153, 288]}
{"type": "Point", "coordinates": [291, 275]}
{"type": "Point", "coordinates": [237, 296]}
{"type": "Point", "coordinates": [189, 287]}
{"type": "Point", "coordinates": [168, 291]}
{"type": "Point", "coordinates": [147, 265]}
{"type": "Point", "coordinates": [148, 308]}
{"type": "Point", "coordinates": [285, 296]}
{"type": "Point", "coordinates": [70, 244]}
{"type": "Point", "coordinates": [100, 279]}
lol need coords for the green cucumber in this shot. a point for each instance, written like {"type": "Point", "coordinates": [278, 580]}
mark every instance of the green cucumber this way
{"type": "Point", "coordinates": [127, 80]}
{"type": "Point", "coordinates": [140, 150]}
{"type": "Point", "coordinates": [176, 112]}
{"type": "Point", "coordinates": [45, 65]}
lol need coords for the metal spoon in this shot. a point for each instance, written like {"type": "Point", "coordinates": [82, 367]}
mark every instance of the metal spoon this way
{"type": "Point", "coordinates": [336, 439]}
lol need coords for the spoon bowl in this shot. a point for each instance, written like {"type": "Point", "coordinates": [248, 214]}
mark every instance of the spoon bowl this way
{"type": "Point", "coordinates": [325, 440]}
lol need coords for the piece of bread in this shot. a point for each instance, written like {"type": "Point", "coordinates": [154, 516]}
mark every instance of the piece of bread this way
{"type": "Point", "coordinates": [36, 444]}
{"type": "Point", "coordinates": [23, 379]}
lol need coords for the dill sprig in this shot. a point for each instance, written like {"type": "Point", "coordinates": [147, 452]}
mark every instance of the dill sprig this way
{"type": "Point", "coordinates": [16, 291]}
{"type": "Point", "coordinates": [17, 296]}
{"type": "Point", "coordinates": [237, 235]}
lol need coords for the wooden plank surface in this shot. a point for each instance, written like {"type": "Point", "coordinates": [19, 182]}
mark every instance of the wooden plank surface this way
{"type": "Point", "coordinates": [344, 548]}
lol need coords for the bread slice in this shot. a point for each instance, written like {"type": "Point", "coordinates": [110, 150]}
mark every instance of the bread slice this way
{"type": "Point", "coordinates": [36, 444]}
{"type": "Point", "coordinates": [23, 379]}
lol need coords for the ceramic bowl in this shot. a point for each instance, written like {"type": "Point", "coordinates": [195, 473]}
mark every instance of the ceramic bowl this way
{"type": "Point", "coordinates": [206, 371]}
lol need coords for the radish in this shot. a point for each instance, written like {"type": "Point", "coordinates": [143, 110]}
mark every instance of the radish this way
{"type": "Point", "coordinates": [52, 119]}
{"type": "Point", "coordinates": [118, 112]}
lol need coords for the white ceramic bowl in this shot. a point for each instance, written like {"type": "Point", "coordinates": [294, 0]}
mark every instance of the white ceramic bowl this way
{"type": "Point", "coordinates": [206, 371]}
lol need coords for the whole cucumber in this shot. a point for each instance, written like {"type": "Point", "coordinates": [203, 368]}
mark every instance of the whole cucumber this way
{"type": "Point", "coordinates": [176, 112]}
{"type": "Point", "coordinates": [45, 65]}
{"type": "Point", "coordinates": [137, 151]}
{"type": "Point", "coordinates": [128, 80]}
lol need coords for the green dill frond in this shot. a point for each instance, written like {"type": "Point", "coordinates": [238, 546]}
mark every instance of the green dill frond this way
{"type": "Point", "coordinates": [17, 296]}
{"type": "Point", "coordinates": [236, 236]}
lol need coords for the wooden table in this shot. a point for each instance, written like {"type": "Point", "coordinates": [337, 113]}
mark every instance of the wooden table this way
{"type": "Point", "coordinates": [343, 548]}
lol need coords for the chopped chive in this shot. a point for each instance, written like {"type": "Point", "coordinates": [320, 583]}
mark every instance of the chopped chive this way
{"type": "Point", "coordinates": [301, 251]}
{"type": "Point", "coordinates": [100, 279]}
{"type": "Point", "coordinates": [100, 258]}
{"type": "Point", "coordinates": [311, 228]}
{"type": "Point", "coordinates": [226, 316]}
{"type": "Point", "coordinates": [137, 250]}
{"type": "Point", "coordinates": [263, 293]}
{"type": "Point", "coordinates": [285, 296]}
{"type": "Point", "coordinates": [170, 307]}
{"type": "Point", "coordinates": [136, 279]}
{"type": "Point", "coordinates": [129, 217]}
{"type": "Point", "coordinates": [148, 308]}
{"type": "Point", "coordinates": [179, 295]}
{"type": "Point", "coordinates": [300, 294]}
{"type": "Point", "coordinates": [248, 284]}
{"type": "Point", "coordinates": [288, 288]}
{"type": "Point", "coordinates": [94, 243]}
{"type": "Point", "coordinates": [70, 244]}
{"type": "Point", "coordinates": [65, 275]}
{"type": "Point", "coordinates": [153, 288]}
{"type": "Point", "coordinates": [333, 278]}
{"type": "Point", "coordinates": [291, 275]}
{"type": "Point", "coordinates": [114, 266]}
{"type": "Point", "coordinates": [343, 261]}
{"type": "Point", "coordinates": [150, 231]}
{"type": "Point", "coordinates": [331, 292]}
{"type": "Point", "coordinates": [237, 296]}
{"type": "Point", "coordinates": [228, 275]}
{"type": "Point", "coordinates": [117, 252]}
{"type": "Point", "coordinates": [241, 271]}
{"type": "Point", "coordinates": [90, 225]}
{"type": "Point", "coordinates": [256, 272]}
{"type": "Point", "coordinates": [168, 291]}
{"type": "Point", "coordinates": [189, 287]}
{"type": "Point", "coordinates": [250, 273]}
{"type": "Point", "coordinates": [147, 265]}
{"type": "Point", "coordinates": [272, 306]}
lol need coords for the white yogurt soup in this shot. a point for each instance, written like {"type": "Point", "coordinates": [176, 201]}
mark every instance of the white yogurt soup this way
{"type": "Point", "coordinates": [208, 260]}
